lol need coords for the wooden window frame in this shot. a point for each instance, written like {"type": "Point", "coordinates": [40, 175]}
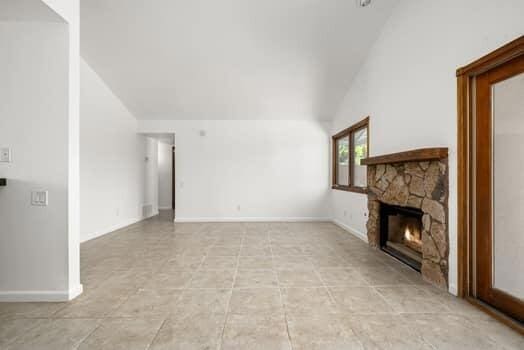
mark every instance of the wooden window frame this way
{"type": "Point", "coordinates": [364, 123]}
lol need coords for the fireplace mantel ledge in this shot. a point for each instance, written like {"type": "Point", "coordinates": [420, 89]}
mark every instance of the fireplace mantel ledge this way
{"type": "Point", "coordinates": [416, 155]}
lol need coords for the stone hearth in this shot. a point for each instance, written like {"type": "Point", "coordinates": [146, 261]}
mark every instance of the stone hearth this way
{"type": "Point", "coordinates": [416, 179]}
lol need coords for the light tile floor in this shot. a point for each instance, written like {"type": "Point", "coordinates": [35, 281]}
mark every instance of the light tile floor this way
{"type": "Point", "coordinates": [159, 285]}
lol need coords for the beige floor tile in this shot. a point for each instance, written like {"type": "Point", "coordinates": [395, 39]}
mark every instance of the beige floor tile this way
{"type": "Point", "coordinates": [283, 249]}
{"type": "Point", "coordinates": [341, 277]}
{"type": "Point", "coordinates": [29, 310]}
{"type": "Point", "coordinates": [298, 278]}
{"type": "Point", "coordinates": [321, 333]}
{"type": "Point", "coordinates": [451, 332]}
{"type": "Point", "coordinates": [98, 303]}
{"type": "Point", "coordinates": [173, 280]}
{"type": "Point", "coordinates": [197, 332]}
{"type": "Point", "coordinates": [359, 300]}
{"type": "Point", "coordinates": [411, 299]}
{"type": "Point", "coordinates": [308, 257]}
{"type": "Point", "coordinates": [122, 334]}
{"type": "Point", "coordinates": [63, 334]}
{"type": "Point", "coordinates": [380, 276]}
{"type": "Point", "coordinates": [149, 304]}
{"type": "Point", "coordinates": [219, 263]}
{"type": "Point", "coordinates": [300, 302]}
{"type": "Point", "coordinates": [256, 332]}
{"type": "Point", "coordinates": [213, 279]}
{"type": "Point", "coordinates": [384, 332]}
{"type": "Point", "coordinates": [201, 301]}
{"type": "Point", "coordinates": [290, 262]}
{"type": "Point", "coordinates": [262, 250]}
{"type": "Point", "coordinates": [11, 329]}
{"type": "Point", "coordinates": [255, 301]}
{"type": "Point", "coordinates": [182, 262]}
{"type": "Point", "coordinates": [255, 262]}
{"type": "Point", "coordinates": [255, 279]}
{"type": "Point", "coordinates": [223, 251]}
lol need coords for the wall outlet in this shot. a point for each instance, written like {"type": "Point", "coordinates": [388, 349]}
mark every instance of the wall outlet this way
{"type": "Point", "coordinates": [5, 155]}
{"type": "Point", "coordinates": [40, 198]}
{"type": "Point", "coordinates": [238, 207]}
{"type": "Point", "coordinates": [345, 212]}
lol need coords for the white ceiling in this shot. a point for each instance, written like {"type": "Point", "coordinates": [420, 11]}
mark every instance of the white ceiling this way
{"type": "Point", "coordinates": [229, 59]}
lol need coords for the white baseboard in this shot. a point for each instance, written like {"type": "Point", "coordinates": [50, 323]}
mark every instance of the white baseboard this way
{"type": "Point", "coordinates": [453, 289]}
{"type": "Point", "coordinates": [98, 233]}
{"type": "Point", "coordinates": [41, 296]}
{"type": "Point", "coordinates": [252, 219]}
{"type": "Point", "coordinates": [351, 230]}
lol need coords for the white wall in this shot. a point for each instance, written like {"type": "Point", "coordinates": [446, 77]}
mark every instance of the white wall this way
{"type": "Point", "coordinates": [408, 87]}
{"type": "Point", "coordinates": [164, 175]}
{"type": "Point", "coordinates": [150, 183]}
{"type": "Point", "coordinates": [249, 170]}
{"type": "Point", "coordinates": [35, 260]}
{"type": "Point", "coordinates": [111, 160]}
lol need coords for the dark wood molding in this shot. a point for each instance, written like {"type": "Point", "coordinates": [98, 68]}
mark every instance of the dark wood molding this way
{"type": "Point", "coordinates": [466, 82]}
{"type": "Point", "coordinates": [362, 190]}
{"type": "Point", "coordinates": [503, 54]}
{"type": "Point", "coordinates": [416, 155]}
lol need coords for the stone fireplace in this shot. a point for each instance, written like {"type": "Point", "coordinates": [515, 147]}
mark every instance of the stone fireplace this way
{"type": "Point", "coordinates": [408, 209]}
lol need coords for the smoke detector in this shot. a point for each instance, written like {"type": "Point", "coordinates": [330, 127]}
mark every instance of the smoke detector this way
{"type": "Point", "coordinates": [363, 3]}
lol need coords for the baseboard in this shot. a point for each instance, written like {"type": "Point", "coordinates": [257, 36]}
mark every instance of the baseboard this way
{"type": "Point", "coordinates": [452, 288]}
{"type": "Point", "coordinates": [98, 233]}
{"type": "Point", "coordinates": [165, 208]}
{"type": "Point", "coordinates": [252, 219]}
{"type": "Point", "coordinates": [351, 230]}
{"type": "Point", "coordinates": [41, 296]}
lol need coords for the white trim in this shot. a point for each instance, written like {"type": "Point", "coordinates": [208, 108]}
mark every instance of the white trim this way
{"type": "Point", "coordinates": [87, 237]}
{"type": "Point", "coordinates": [351, 230]}
{"type": "Point", "coordinates": [41, 296]}
{"type": "Point", "coordinates": [165, 208]}
{"type": "Point", "coordinates": [453, 289]}
{"type": "Point", "coordinates": [252, 219]}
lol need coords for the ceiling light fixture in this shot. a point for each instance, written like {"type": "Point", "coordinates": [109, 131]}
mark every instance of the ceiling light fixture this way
{"type": "Point", "coordinates": [363, 3]}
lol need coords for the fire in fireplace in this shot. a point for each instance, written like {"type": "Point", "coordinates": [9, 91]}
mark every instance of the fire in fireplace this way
{"type": "Point", "coordinates": [401, 233]}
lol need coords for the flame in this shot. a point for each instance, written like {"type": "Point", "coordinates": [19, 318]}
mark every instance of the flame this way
{"type": "Point", "coordinates": [409, 236]}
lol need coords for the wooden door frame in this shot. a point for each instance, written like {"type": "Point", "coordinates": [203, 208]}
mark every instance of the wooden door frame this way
{"type": "Point", "coordinates": [465, 84]}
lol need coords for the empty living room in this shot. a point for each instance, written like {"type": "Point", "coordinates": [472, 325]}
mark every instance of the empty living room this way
{"type": "Point", "coordinates": [261, 174]}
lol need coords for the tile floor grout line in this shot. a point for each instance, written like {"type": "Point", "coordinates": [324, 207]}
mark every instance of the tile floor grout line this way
{"type": "Point", "coordinates": [156, 334]}
{"type": "Point", "coordinates": [226, 316]}
{"type": "Point", "coordinates": [281, 300]}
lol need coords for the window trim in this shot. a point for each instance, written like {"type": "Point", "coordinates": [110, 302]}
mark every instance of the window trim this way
{"type": "Point", "coordinates": [364, 123]}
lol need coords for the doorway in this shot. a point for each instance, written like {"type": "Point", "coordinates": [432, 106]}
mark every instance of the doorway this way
{"type": "Point", "coordinates": [491, 199]}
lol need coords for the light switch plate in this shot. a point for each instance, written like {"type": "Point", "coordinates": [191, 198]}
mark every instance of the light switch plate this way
{"type": "Point", "coordinates": [5, 155]}
{"type": "Point", "coordinates": [40, 198]}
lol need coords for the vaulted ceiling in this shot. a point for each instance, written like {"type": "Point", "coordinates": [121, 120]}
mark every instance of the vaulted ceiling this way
{"type": "Point", "coordinates": [229, 59]}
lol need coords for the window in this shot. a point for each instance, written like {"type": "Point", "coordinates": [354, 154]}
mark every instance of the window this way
{"type": "Point", "coordinates": [350, 146]}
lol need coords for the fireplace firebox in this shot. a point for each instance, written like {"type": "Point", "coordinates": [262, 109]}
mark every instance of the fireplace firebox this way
{"type": "Point", "coordinates": [401, 233]}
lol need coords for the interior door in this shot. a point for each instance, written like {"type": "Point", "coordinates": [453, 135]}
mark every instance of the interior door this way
{"type": "Point", "coordinates": [499, 189]}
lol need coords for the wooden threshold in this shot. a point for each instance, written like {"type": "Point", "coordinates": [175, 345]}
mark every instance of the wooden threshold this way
{"type": "Point", "coordinates": [499, 316]}
{"type": "Point", "coordinates": [416, 155]}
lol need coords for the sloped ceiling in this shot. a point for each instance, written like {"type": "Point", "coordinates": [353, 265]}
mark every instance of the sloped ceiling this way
{"type": "Point", "coordinates": [229, 59]}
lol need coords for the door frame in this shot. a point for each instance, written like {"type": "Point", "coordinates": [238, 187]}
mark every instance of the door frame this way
{"type": "Point", "coordinates": [173, 181]}
{"type": "Point", "coordinates": [465, 98]}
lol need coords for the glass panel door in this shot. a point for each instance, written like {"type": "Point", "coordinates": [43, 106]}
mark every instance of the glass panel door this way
{"type": "Point", "coordinates": [508, 193]}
